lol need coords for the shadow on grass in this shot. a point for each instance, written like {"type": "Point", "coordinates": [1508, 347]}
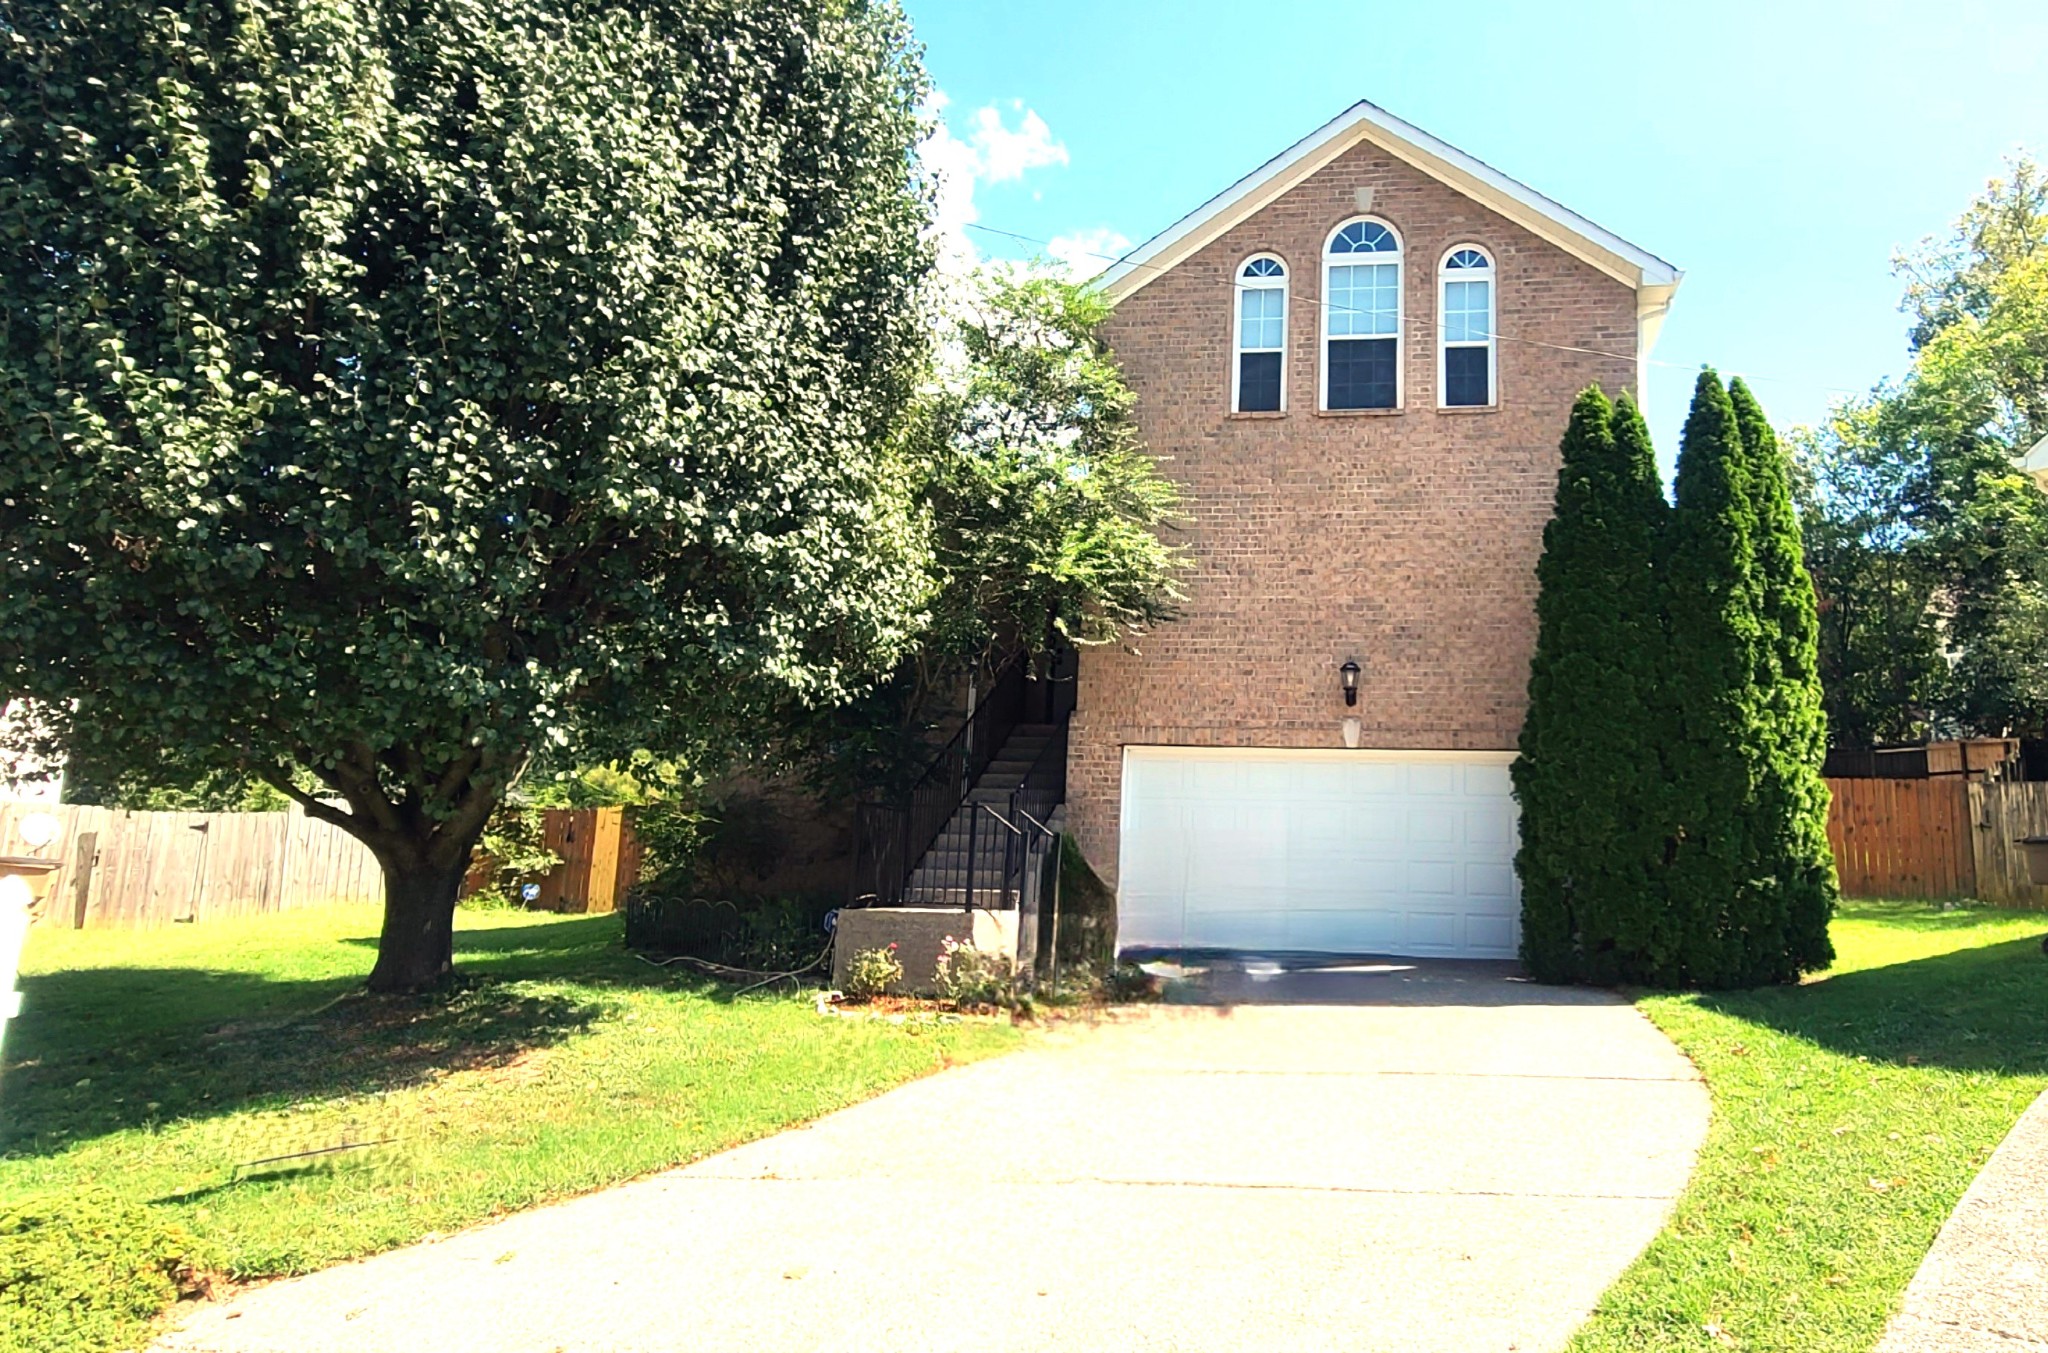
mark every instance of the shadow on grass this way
{"type": "Point", "coordinates": [563, 944]}
{"type": "Point", "coordinates": [88, 1059]}
{"type": "Point", "coordinates": [1983, 1009]}
{"type": "Point", "coordinates": [1933, 918]}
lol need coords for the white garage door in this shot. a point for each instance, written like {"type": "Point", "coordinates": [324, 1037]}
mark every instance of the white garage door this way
{"type": "Point", "coordinates": [1347, 852]}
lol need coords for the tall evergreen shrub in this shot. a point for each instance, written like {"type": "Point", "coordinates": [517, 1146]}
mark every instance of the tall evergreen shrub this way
{"type": "Point", "coordinates": [1586, 777]}
{"type": "Point", "coordinates": [1674, 822]}
{"type": "Point", "coordinates": [1789, 845]}
{"type": "Point", "coordinates": [1716, 738]}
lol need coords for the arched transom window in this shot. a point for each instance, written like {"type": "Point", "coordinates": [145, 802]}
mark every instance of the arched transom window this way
{"type": "Point", "coordinates": [1465, 354]}
{"type": "Point", "coordinates": [1362, 317]}
{"type": "Point", "coordinates": [1259, 380]}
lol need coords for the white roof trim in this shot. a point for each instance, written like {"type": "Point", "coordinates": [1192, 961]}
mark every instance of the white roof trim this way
{"type": "Point", "coordinates": [1602, 248]}
{"type": "Point", "coordinates": [2035, 460]}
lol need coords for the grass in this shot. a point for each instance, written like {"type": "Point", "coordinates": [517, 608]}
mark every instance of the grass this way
{"type": "Point", "coordinates": [1849, 1114]}
{"type": "Point", "coordinates": [161, 1063]}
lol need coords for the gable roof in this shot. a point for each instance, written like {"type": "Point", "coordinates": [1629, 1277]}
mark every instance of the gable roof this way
{"type": "Point", "coordinates": [1653, 279]}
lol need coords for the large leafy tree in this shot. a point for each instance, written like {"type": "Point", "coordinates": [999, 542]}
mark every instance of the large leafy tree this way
{"type": "Point", "coordinates": [1589, 775]}
{"type": "Point", "coordinates": [1921, 533]}
{"type": "Point", "coordinates": [1050, 524]}
{"type": "Point", "coordinates": [392, 389]}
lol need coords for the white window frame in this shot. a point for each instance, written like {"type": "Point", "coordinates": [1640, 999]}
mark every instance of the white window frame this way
{"type": "Point", "coordinates": [1491, 276]}
{"type": "Point", "coordinates": [1239, 284]}
{"type": "Point", "coordinates": [1399, 258]}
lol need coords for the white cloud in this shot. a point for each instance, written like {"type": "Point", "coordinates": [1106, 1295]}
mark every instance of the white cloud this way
{"type": "Point", "coordinates": [992, 151]}
{"type": "Point", "coordinates": [1085, 253]}
{"type": "Point", "coordinates": [1003, 154]}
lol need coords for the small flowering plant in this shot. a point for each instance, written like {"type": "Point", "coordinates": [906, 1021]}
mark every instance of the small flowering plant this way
{"type": "Point", "coordinates": [970, 977]}
{"type": "Point", "coordinates": [871, 972]}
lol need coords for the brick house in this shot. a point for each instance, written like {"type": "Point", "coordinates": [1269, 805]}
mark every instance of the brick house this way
{"type": "Point", "coordinates": [1357, 362]}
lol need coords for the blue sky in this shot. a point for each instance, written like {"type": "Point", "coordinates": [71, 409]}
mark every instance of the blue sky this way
{"type": "Point", "coordinates": [1778, 152]}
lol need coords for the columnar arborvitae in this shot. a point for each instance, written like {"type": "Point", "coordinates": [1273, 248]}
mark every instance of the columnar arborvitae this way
{"type": "Point", "coordinates": [1718, 740]}
{"type": "Point", "coordinates": [1586, 774]}
{"type": "Point", "coordinates": [1674, 822]}
{"type": "Point", "coordinates": [1789, 838]}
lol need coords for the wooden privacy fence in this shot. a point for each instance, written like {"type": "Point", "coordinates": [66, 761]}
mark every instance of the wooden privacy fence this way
{"type": "Point", "coordinates": [1902, 838]}
{"type": "Point", "coordinates": [124, 870]}
{"type": "Point", "coordinates": [1942, 837]}
{"type": "Point", "coordinates": [600, 859]}
{"type": "Point", "coordinates": [1999, 813]}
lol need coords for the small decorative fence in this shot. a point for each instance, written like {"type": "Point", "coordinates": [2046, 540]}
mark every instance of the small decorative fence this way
{"type": "Point", "coordinates": [1937, 838]}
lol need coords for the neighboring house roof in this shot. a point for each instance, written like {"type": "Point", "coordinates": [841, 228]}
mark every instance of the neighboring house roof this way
{"type": "Point", "coordinates": [1653, 279]}
{"type": "Point", "coordinates": [2035, 462]}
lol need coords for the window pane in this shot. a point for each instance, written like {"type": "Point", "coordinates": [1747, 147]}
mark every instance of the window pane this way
{"type": "Point", "coordinates": [1259, 322]}
{"type": "Point", "coordinates": [1363, 237]}
{"type": "Point", "coordinates": [1465, 378]}
{"type": "Point", "coordinates": [1365, 298]}
{"type": "Point", "coordinates": [1258, 382]}
{"type": "Point", "coordinates": [1361, 372]}
{"type": "Point", "coordinates": [1465, 317]}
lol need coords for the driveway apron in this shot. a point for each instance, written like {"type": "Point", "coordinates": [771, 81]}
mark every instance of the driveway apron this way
{"type": "Point", "coordinates": [1381, 1156]}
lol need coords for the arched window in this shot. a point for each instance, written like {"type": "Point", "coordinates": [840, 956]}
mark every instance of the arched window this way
{"type": "Point", "coordinates": [1465, 364]}
{"type": "Point", "coordinates": [1362, 317]}
{"type": "Point", "coordinates": [1259, 380]}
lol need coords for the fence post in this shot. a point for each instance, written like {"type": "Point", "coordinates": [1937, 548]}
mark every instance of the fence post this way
{"type": "Point", "coordinates": [15, 901]}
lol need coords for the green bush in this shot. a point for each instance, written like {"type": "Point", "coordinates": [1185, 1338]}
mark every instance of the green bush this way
{"type": "Point", "coordinates": [970, 977]}
{"type": "Point", "coordinates": [872, 972]}
{"type": "Point", "coordinates": [774, 934]}
{"type": "Point", "coordinates": [89, 1271]}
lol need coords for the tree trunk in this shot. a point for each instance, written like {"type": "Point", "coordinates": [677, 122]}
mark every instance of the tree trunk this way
{"type": "Point", "coordinates": [417, 949]}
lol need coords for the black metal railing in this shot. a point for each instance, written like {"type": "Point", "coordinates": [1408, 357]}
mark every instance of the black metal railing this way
{"type": "Point", "coordinates": [956, 842]}
{"type": "Point", "coordinates": [890, 838]}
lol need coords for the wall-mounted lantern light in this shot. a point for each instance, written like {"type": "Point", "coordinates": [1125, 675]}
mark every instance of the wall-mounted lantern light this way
{"type": "Point", "coordinates": [1348, 674]}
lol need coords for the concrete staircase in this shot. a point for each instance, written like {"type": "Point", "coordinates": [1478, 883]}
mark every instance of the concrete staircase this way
{"type": "Point", "coordinates": [973, 834]}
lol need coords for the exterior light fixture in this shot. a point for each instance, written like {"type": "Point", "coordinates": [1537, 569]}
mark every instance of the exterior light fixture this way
{"type": "Point", "coordinates": [1348, 674]}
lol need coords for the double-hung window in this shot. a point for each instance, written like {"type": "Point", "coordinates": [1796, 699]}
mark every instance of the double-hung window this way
{"type": "Point", "coordinates": [1259, 382]}
{"type": "Point", "coordinates": [1362, 317]}
{"type": "Point", "coordinates": [1465, 354]}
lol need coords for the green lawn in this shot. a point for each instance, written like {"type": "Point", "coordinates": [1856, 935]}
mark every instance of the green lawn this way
{"type": "Point", "coordinates": [157, 1063]}
{"type": "Point", "coordinates": [1849, 1115]}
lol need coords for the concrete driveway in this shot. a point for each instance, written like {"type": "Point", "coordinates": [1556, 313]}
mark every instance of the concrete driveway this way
{"type": "Point", "coordinates": [1393, 1157]}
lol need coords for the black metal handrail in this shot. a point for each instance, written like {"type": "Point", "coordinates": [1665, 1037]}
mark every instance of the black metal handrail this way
{"type": "Point", "coordinates": [891, 838]}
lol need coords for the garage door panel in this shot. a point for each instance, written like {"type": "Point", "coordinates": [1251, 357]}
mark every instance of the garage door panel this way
{"type": "Point", "coordinates": [1491, 883]}
{"type": "Point", "coordinates": [1342, 932]}
{"type": "Point", "coordinates": [1436, 825]}
{"type": "Point", "coordinates": [1435, 878]}
{"type": "Point", "coordinates": [1495, 934]}
{"type": "Point", "coordinates": [1351, 852]}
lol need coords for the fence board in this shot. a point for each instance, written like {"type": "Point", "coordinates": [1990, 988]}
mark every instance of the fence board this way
{"type": "Point", "coordinates": [1903, 838]}
{"type": "Point", "coordinates": [1999, 813]}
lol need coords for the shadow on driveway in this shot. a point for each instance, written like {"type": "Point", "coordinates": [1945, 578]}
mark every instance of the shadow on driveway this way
{"type": "Point", "coordinates": [1219, 979]}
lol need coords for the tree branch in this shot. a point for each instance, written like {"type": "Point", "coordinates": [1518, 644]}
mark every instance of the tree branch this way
{"type": "Point", "coordinates": [314, 808]}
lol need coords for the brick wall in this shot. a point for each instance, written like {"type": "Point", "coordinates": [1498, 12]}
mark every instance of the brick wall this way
{"type": "Point", "coordinates": [1407, 540]}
